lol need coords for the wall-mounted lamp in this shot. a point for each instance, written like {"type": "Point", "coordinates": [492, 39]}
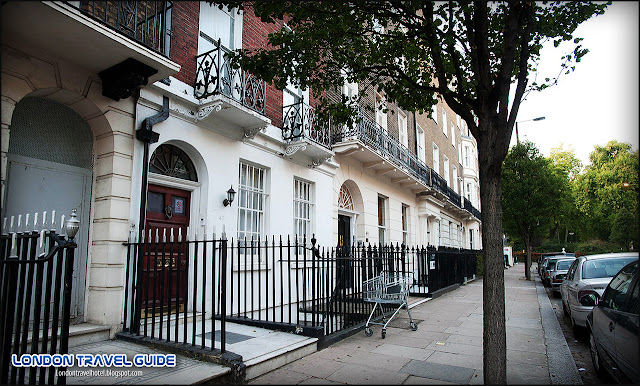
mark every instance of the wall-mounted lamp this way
{"type": "Point", "coordinates": [231, 194]}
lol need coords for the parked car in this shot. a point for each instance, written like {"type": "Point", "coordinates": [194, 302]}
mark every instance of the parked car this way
{"type": "Point", "coordinates": [558, 273]}
{"type": "Point", "coordinates": [589, 275]}
{"type": "Point", "coordinates": [613, 327]}
{"type": "Point", "coordinates": [550, 266]}
{"type": "Point", "coordinates": [547, 258]}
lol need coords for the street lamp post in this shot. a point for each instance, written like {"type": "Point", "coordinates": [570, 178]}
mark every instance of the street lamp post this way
{"type": "Point", "coordinates": [534, 119]}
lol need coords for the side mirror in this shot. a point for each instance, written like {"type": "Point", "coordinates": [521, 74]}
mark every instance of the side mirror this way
{"type": "Point", "coordinates": [589, 300]}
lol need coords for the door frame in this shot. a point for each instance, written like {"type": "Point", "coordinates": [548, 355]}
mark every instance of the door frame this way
{"type": "Point", "coordinates": [195, 220]}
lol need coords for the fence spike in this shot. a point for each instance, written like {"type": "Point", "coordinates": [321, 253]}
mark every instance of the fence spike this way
{"type": "Point", "coordinates": [53, 220]}
{"type": "Point", "coordinates": [164, 235]}
{"type": "Point", "coordinates": [11, 228]}
{"type": "Point", "coordinates": [14, 246]}
{"type": "Point", "coordinates": [62, 230]}
{"type": "Point", "coordinates": [19, 223]}
{"type": "Point", "coordinates": [42, 252]}
{"type": "Point", "coordinates": [44, 219]}
{"type": "Point", "coordinates": [157, 234]}
{"type": "Point", "coordinates": [171, 235]}
{"type": "Point", "coordinates": [4, 225]}
{"type": "Point", "coordinates": [180, 234]}
{"type": "Point", "coordinates": [186, 235]}
{"type": "Point", "coordinates": [35, 221]}
{"type": "Point", "coordinates": [26, 222]}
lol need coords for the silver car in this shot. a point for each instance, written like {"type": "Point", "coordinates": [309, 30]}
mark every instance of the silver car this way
{"type": "Point", "coordinates": [589, 275]}
{"type": "Point", "coordinates": [558, 273]}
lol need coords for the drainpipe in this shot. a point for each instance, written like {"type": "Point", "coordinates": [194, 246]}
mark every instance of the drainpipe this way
{"type": "Point", "coordinates": [415, 134]}
{"type": "Point", "coordinates": [148, 136]}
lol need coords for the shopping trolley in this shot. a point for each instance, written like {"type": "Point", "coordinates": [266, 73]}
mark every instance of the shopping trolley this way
{"type": "Point", "coordinates": [387, 288]}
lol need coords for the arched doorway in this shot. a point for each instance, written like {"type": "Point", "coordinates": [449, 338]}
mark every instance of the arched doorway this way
{"type": "Point", "coordinates": [49, 167]}
{"type": "Point", "coordinates": [168, 215]}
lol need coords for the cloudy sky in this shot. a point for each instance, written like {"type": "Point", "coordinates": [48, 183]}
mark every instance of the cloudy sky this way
{"type": "Point", "coordinates": [599, 101]}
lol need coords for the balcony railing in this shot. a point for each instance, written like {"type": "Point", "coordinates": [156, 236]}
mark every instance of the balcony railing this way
{"type": "Point", "coordinates": [299, 120]}
{"type": "Point", "coordinates": [216, 76]}
{"type": "Point", "coordinates": [143, 21]}
{"type": "Point", "coordinates": [385, 144]}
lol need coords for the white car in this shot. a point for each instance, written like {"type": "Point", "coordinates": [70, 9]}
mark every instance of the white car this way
{"type": "Point", "coordinates": [589, 275]}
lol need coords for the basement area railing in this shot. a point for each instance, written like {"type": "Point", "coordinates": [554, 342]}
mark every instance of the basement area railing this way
{"type": "Point", "coordinates": [184, 290]}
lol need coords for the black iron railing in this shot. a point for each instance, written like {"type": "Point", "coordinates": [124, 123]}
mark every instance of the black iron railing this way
{"type": "Point", "coordinates": [387, 146]}
{"type": "Point", "coordinates": [292, 285]}
{"type": "Point", "coordinates": [142, 21]}
{"type": "Point", "coordinates": [215, 75]}
{"type": "Point", "coordinates": [37, 270]}
{"type": "Point", "coordinates": [175, 288]}
{"type": "Point", "coordinates": [299, 120]}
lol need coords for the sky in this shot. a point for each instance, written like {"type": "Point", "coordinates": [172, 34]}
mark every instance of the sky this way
{"type": "Point", "coordinates": [596, 103]}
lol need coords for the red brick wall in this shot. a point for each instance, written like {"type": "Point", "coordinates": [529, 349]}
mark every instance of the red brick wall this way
{"type": "Point", "coordinates": [185, 19]}
{"type": "Point", "coordinates": [254, 35]}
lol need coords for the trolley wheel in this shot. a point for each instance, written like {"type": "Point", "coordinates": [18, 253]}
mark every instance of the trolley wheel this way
{"type": "Point", "coordinates": [384, 333]}
{"type": "Point", "coordinates": [368, 331]}
{"type": "Point", "coordinates": [414, 326]}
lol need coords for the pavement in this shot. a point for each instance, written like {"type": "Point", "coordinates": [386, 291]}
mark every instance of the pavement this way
{"type": "Point", "coordinates": [447, 347]}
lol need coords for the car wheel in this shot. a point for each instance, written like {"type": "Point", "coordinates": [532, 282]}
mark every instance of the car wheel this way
{"type": "Point", "coordinates": [595, 356]}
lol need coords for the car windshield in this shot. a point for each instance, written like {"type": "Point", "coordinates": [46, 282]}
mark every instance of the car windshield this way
{"type": "Point", "coordinates": [551, 265]}
{"type": "Point", "coordinates": [563, 265]}
{"type": "Point", "coordinates": [608, 267]}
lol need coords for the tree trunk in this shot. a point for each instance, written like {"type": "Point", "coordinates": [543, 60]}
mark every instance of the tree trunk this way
{"type": "Point", "coordinates": [495, 340]}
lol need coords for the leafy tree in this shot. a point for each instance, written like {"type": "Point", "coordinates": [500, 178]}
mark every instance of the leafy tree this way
{"type": "Point", "coordinates": [530, 186]}
{"type": "Point", "coordinates": [624, 231]}
{"type": "Point", "coordinates": [607, 186]}
{"type": "Point", "coordinates": [467, 53]}
{"type": "Point", "coordinates": [565, 214]}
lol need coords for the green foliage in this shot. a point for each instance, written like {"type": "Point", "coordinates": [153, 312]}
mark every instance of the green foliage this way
{"type": "Point", "coordinates": [595, 246]}
{"type": "Point", "coordinates": [624, 231]}
{"type": "Point", "coordinates": [531, 190]}
{"type": "Point", "coordinates": [608, 184]}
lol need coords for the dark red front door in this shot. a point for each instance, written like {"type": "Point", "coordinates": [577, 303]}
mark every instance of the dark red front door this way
{"type": "Point", "coordinates": [165, 262]}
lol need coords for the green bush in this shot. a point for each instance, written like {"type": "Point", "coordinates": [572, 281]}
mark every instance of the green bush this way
{"type": "Point", "coordinates": [593, 247]}
{"type": "Point", "coordinates": [479, 265]}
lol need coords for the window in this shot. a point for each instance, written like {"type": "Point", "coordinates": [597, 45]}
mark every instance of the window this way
{"type": "Point", "coordinates": [345, 200]}
{"type": "Point", "coordinates": [469, 191]}
{"type": "Point", "coordinates": [216, 23]}
{"type": "Point", "coordinates": [302, 208]}
{"type": "Point", "coordinates": [381, 114]}
{"type": "Point", "coordinates": [445, 169]}
{"type": "Point", "coordinates": [436, 158]}
{"type": "Point", "coordinates": [252, 202]}
{"type": "Point", "coordinates": [454, 183]}
{"type": "Point", "coordinates": [470, 238]}
{"type": "Point", "coordinates": [616, 293]}
{"type": "Point", "coordinates": [382, 219]}
{"type": "Point", "coordinates": [453, 134]}
{"type": "Point", "coordinates": [466, 156]}
{"type": "Point", "coordinates": [420, 142]}
{"type": "Point", "coordinates": [402, 129]}
{"type": "Point", "coordinates": [434, 113]}
{"type": "Point", "coordinates": [405, 224]}
{"type": "Point", "coordinates": [444, 122]}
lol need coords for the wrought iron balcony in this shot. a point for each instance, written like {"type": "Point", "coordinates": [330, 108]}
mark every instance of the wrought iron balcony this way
{"type": "Point", "coordinates": [299, 120]}
{"type": "Point", "coordinates": [142, 21]}
{"type": "Point", "coordinates": [372, 135]}
{"type": "Point", "coordinates": [216, 76]}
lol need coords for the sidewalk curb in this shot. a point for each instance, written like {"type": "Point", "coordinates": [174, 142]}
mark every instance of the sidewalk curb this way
{"type": "Point", "coordinates": [562, 367]}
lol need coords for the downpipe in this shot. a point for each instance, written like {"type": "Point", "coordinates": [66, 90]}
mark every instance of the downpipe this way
{"type": "Point", "coordinates": [147, 136]}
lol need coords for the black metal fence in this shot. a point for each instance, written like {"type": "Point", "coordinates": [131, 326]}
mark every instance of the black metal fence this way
{"type": "Point", "coordinates": [293, 285]}
{"type": "Point", "coordinates": [36, 269]}
{"type": "Point", "coordinates": [299, 120]}
{"type": "Point", "coordinates": [215, 75]}
{"type": "Point", "coordinates": [143, 21]}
